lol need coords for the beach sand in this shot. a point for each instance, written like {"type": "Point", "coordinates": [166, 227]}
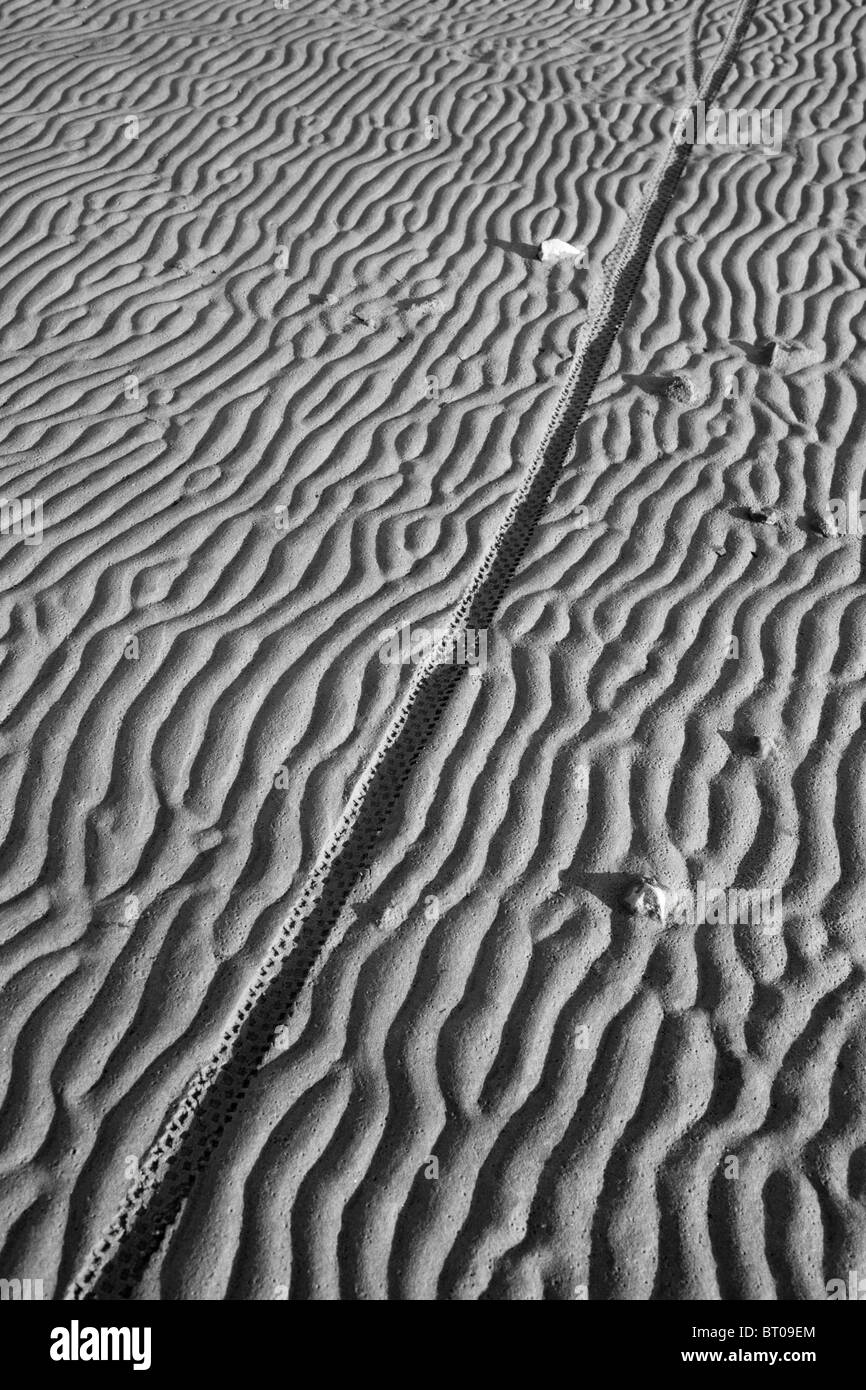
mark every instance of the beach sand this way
{"type": "Point", "coordinates": [317, 975]}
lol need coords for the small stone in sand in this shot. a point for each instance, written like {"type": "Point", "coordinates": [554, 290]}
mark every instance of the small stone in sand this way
{"type": "Point", "coordinates": [825, 525]}
{"type": "Point", "coordinates": [554, 251]}
{"type": "Point", "coordinates": [757, 745]}
{"type": "Point", "coordinates": [646, 898]}
{"type": "Point", "coordinates": [777, 354]}
{"type": "Point", "coordinates": [764, 516]}
{"type": "Point", "coordinates": [681, 389]}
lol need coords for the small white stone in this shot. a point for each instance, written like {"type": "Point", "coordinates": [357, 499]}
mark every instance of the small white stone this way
{"type": "Point", "coordinates": [646, 898]}
{"type": "Point", "coordinates": [765, 516]}
{"type": "Point", "coordinates": [826, 525]}
{"type": "Point", "coordinates": [552, 251]}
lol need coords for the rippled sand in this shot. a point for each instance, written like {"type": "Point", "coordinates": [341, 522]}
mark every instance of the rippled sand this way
{"type": "Point", "coordinates": [316, 973]}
